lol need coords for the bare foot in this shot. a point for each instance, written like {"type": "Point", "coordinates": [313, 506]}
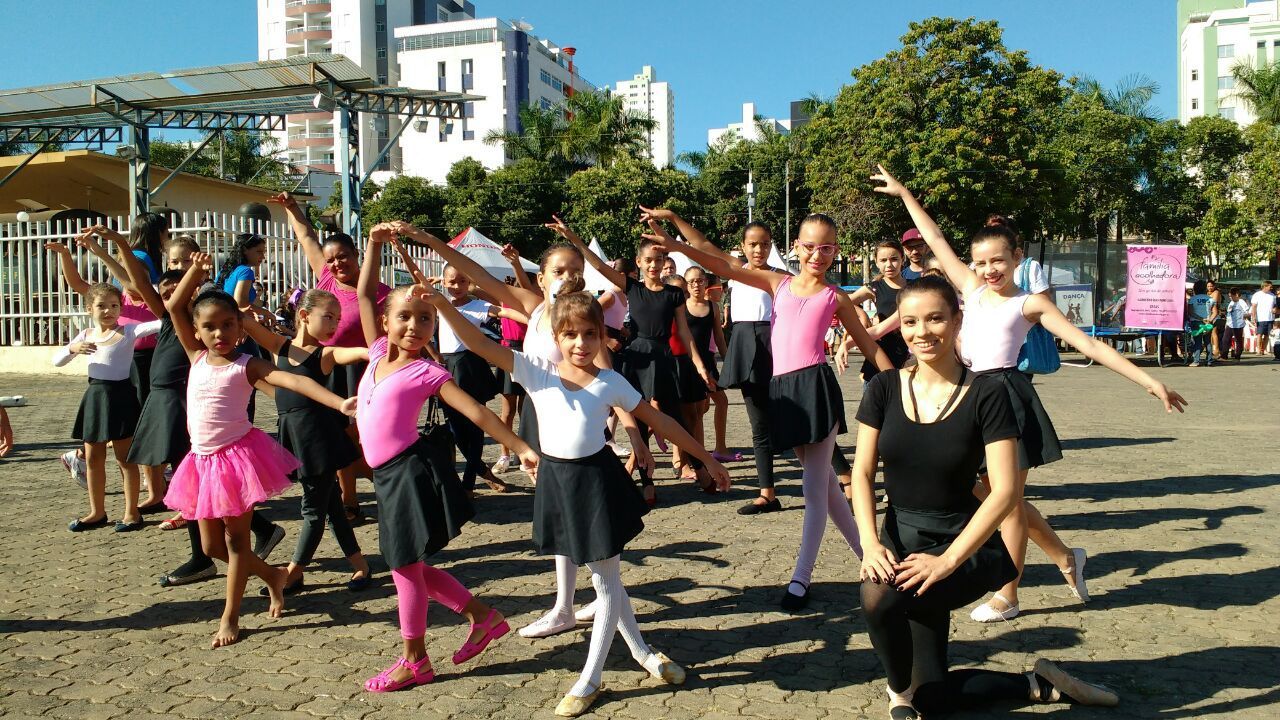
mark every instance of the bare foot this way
{"type": "Point", "coordinates": [275, 588]}
{"type": "Point", "coordinates": [228, 633]}
{"type": "Point", "coordinates": [494, 483]}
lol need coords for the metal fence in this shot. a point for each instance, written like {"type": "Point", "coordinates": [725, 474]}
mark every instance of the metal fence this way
{"type": "Point", "coordinates": [37, 307]}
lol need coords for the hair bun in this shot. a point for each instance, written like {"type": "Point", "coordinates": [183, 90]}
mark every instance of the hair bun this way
{"type": "Point", "coordinates": [571, 284]}
{"type": "Point", "coordinates": [994, 220]}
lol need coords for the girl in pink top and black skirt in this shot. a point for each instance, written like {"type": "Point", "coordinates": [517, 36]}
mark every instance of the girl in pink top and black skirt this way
{"type": "Point", "coordinates": [805, 405]}
{"type": "Point", "coordinates": [422, 503]}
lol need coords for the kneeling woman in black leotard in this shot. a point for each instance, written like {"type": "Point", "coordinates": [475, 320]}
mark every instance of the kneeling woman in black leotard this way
{"type": "Point", "coordinates": [939, 549]}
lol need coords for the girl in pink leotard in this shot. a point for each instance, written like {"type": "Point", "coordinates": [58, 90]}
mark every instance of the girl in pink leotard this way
{"type": "Point", "coordinates": [806, 409]}
{"type": "Point", "coordinates": [422, 503]}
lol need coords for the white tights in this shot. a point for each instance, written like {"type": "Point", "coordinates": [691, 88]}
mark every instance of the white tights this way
{"type": "Point", "coordinates": [613, 613]}
{"type": "Point", "coordinates": [822, 499]}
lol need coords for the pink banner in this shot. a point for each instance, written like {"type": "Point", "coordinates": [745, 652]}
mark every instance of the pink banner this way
{"type": "Point", "coordinates": [1157, 287]}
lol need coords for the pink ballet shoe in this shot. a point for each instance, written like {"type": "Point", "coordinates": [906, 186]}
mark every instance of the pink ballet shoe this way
{"type": "Point", "coordinates": [727, 457]}
{"type": "Point", "coordinates": [382, 682]}
{"type": "Point", "coordinates": [471, 649]}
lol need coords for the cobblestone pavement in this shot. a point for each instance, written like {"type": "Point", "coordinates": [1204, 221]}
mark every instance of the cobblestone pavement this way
{"type": "Point", "coordinates": [1173, 510]}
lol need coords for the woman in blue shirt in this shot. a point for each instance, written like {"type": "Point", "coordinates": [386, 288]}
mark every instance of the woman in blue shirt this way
{"type": "Point", "coordinates": [148, 237]}
{"type": "Point", "coordinates": [238, 273]}
{"type": "Point", "coordinates": [1202, 312]}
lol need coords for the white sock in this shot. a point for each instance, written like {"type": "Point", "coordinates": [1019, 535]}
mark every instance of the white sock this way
{"type": "Point", "coordinates": [566, 581]}
{"type": "Point", "coordinates": [610, 597]}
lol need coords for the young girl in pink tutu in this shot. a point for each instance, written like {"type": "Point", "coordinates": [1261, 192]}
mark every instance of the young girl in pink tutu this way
{"type": "Point", "coordinates": [232, 465]}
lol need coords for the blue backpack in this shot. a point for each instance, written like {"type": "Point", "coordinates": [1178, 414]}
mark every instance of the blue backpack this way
{"type": "Point", "coordinates": [1039, 353]}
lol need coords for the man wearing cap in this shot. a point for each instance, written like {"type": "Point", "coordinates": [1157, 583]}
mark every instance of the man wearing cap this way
{"type": "Point", "coordinates": [917, 254]}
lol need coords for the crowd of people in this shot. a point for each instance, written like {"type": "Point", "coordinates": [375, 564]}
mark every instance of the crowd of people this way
{"type": "Point", "coordinates": [384, 383]}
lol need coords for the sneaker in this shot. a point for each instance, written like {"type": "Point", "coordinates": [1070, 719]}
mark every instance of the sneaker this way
{"type": "Point", "coordinates": [618, 449]}
{"type": "Point", "coordinates": [504, 464]}
{"type": "Point", "coordinates": [1194, 364]}
{"type": "Point", "coordinates": [263, 546]}
{"type": "Point", "coordinates": [76, 467]}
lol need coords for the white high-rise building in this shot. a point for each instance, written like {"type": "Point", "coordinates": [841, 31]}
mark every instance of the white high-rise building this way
{"type": "Point", "coordinates": [749, 127]}
{"type": "Point", "coordinates": [1214, 36]}
{"type": "Point", "coordinates": [489, 57]}
{"type": "Point", "coordinates": [362, 31]}
{"type": "Point", "coordinates": [652, 99]}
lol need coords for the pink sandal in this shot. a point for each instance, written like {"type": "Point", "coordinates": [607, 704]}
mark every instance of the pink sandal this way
{"type": "Point", "coordinates": [382, 682]}
{"type": "Point", "coordinates": [471, 649]}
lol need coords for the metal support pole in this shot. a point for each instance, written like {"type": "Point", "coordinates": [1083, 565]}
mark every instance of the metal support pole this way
{"type": "Point", "coordinates": [25, 162]}
{"type": "Point", "coordinates": [346, 160]}
{"type": "Point", "coordinates": [174, 171]}
{"type": "Point", "coordinates": [786, 227]}
{"type": "Point", "coordinates": [751, 196]}
{"type": "Point", "coordinates": [386, 149]}
{"type": "Point", "coordinates": [140, 170]}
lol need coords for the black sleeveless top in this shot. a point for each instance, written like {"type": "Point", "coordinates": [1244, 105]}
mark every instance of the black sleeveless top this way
{"type": "Point", "coordinates": [892, 344]}
{"type": "Point", "coordinates": [287, 400]}
{"type": "Point", "coordinates": [170, 365]}
{"type": "Point", "coordinates": [702, 329]}
{"type": "Point", "coordinates": [652, 311]}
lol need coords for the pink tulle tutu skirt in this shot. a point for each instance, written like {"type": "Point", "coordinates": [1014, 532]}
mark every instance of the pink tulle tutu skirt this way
{"type": "Point", "coordinates": [231, 481]}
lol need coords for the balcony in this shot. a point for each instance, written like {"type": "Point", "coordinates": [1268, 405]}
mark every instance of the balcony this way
{"type": "Point", "coordinates": [310, 32]}
{"type": "Point", "coordinates": [294, 8]}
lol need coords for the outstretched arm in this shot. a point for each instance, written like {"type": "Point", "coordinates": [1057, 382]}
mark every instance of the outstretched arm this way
{"type": "Point", "coordinates": [179, 305]}
{"type": "Point", "coordinates": [849, 317]}
{"type": "Point", "coordinates": [259, 370]}
{"type": "Point", "coordinates": [470, 335]}
{"type": "Point", "coordinates": [1039, 309]}
{"type": "Point", "coordinates": [139, 277]}
{"type": "Point", "coordinates": [513, 296]}
{"type": "Point", "coordinates": [691, 234]}
{"type": "Point", "coordinates": [303, 230]}
{"type": "Point", "coordinates": [957, 271]}
{"type": "Point", "coordinates": [518, 272]}
{"type": "Point", "coordinates": [716, 264]}
{"type": "Point", "coordinates": [614, 277]}
{"type": "Point", "coordinates": [262, 335]}
{"type": "Point", "coordinates": [671, 430]}
{"type": "Point", "coordinates": [458, 399]}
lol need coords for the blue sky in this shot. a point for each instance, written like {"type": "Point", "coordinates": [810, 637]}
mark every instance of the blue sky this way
{"type": "Point", "coordinates": [716, 54]}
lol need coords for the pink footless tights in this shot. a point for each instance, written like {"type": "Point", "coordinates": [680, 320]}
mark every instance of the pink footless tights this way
{"type": "Point", "coordinates": [417, 583]}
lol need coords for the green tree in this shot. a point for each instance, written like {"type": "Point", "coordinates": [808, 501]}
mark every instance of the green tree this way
{"type": "Point", "coordinates": [602, 130]}
{"type": "Point", "coordinates": [962, 119]}
{"type": "Point", "coordinates": [1259, 87]}
{"type": "Point", "coordinates": [603, 202]}
{"type": "Point", "coordinates": [242, 156]}
{"type": "Point", "coordinates": [510, 205]}
{"type": "Point", "coordinates": [466, 174]}
{"type": "Point", "coordinates": [722, 182]}
{"type": "Point", "coordinates": [541, 137]}
{"type": "Point", "coordinates": [1261, 195]}
{"type": "Point", "coordinates": [410, 198]}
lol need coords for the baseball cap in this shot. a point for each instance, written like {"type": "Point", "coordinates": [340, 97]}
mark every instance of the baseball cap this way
{"type": "Point", "coordinates": [912, 235]}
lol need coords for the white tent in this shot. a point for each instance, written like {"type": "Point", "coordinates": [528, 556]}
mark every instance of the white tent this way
{"type": "Point", "coordinates": [487, 253]}
{"type": "Point", "coordinates": [775, 260]}
{"type": "Point", "coordinates": [595, 282]}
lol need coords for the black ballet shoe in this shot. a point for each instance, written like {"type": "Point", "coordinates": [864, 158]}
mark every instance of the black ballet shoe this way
{"type": "Point", "coordinates": [903, 712]}
{"type": "Point", "coordinates": [755, 508]}
{"type": "Point", "coordinates": [795, 603]}
{"type": "Point", "coordinates": [290, 590]}
{"type": "Point", "coordinates": [79, 525]}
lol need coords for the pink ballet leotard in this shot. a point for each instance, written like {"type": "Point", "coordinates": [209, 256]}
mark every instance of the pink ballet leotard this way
{"type": "Point", "coordinates": [992, 335]}
{"type": "Point", "coordinates": [799, 326]}
{"type": "Point", "coordinates": [232, 465]}
{"type": "Point", "coordinates": [388, 411]}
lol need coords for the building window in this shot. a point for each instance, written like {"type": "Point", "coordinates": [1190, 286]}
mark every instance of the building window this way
{"type": "Point", "coordinates": [544, 76]}
{"type": "Point", "coordinates": [466, 67]}
{"type": "Point", "coordinates": [555, 83]}
{"type": "Point", "coordinates": [382, 53]}
{"type": "Point", "coordinates": [1226, 82]}
{"type": "Point", "coordinates": [382, 79]}
{"type": "Point", "coordinates": [1226, 51]}
{"type": "Point", "coordinates": [447, 39]}
{"type": "Point", "coordinates": [1195, 104]}
{"type": "Point", "coordinates": [1262, 44]}
{"type": "Point", "coordinates": [468, 110]}
{"type": "Point", "coordinates": [1228, 112]}
{"type": "Point", "coordinates": [441, 70]}
{"type": "Point", "coordinates": [381, 26]}
{"type": "Point", "coordinates": [545, 103]}
{"type": "Point", "coordinates": [442, 15]}
{"type": "Point", "coordinates": [1195, 75]}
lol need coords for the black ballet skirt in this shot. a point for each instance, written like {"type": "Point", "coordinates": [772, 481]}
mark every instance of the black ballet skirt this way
{"type": "Point", "coordinates": [108, 411]}
{"type": "Point", "coordinates": [931, 532]}
{"type": "Point", "coordinates": [690, 385]}
{"type": "Point", "coordinates": [140, 373]}
{"type": "Point", "coordinates": [313, 433]}
{"type": "Point", "coordinates": [649, 366]}
{"type": "Point", "coordinates": [587, 509]}
{"type": "Point", "coordinates": [421, 504]}
{"type": "Point", "coordinates": [471, 372]}
{"type": "Point", "coordinates": [507, 386]}
{"type": "Point", "coordinates": [161, 435]}
{"type": "Point", "coordinates": [804, 406]}
{"type": "Point", "coordinates": [749, 357]}
{"type": "Point", "coordinates": [1038, 442]}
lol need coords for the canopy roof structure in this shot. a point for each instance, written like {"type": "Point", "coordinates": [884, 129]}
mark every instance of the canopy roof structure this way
{"type": "Point", "coordinates": [245, 96]}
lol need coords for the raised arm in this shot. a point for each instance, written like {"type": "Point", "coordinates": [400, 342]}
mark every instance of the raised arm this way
{"type": "Point", "coordinates": [614, 277]}
{"type": "Point", "coordinates": [261, 334]}
{"type": "Point", "coordinates": [139, 277]}
{"type": "Point", "coordinates": [179, 305]}
{"type": "Point", "coordinates": [716, 264]}
{"type": "Point", "coordinates": [513, 296]}
{"type": "Point", "coordinates": [691, 234]}
{"type": "Point", "coordinates": [303, 230]}
{"type": "Point", "coordinates": [470, 335]}
{"type": "Point", "coordinates": [957, 271]}
{"type": "Point", "coordinates": [367, 285]}
{"type": "Point", "coordinates": [87, 241]}
{"type": "Point", "coordinates": [458, 399]}
{"type": "Point", "coordinates": [1040, 309]}
{"type": "Point", "coordinates": [67, 263]}
{"type": "Point", "coordinates": [519, 274]}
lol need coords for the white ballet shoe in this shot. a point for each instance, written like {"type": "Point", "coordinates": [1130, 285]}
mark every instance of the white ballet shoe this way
{"type": "Point", "coordinates": [984, 613]}
{"type": "Point", "coordinates": [586, 614]}
{"type": "Point", "coordinates": [661, 667]}
{"type": "Point", "coordinates": [1076, 573]}
{"type": "Point", "coordinates": [546, 626]}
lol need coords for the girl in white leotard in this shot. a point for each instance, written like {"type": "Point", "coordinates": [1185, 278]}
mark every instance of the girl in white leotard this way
{"type": "Point", "coordinates": [997, 317]}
